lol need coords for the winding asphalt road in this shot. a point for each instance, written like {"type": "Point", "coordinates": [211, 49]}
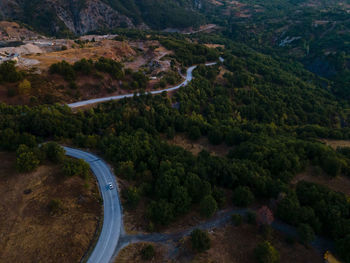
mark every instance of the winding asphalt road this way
{"type": "Point", "coordinates": [106, 246]}
{"type": "Point", "coordinates": [112, 222]}
{"type": "Point", "coordinates": [189, 77]}
{"type": "Point", "coordinates": [112, 239]}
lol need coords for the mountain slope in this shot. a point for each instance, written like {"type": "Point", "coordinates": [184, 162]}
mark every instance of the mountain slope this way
{"type": "Point", "coordinates": [60, 17]}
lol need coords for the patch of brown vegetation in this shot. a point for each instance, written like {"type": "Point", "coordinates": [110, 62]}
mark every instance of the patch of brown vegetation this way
{"type": "Point", "coordinates": [317, 176]}
{"type": "Point", "coordinates": [199, 145]}
{"type": "Point", "coordinates": [336, 143]}
{"type": "Point", "coordinates": [132, 253]}
{"type": "Point", "coordinates": [28, 232]}
{"type": "Point", "coordinates": [11, 31]}
{"type": "Point", "coordinates": [214, 46]}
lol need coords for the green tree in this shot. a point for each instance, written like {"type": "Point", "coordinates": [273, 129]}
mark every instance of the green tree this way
{"type": "Point", "coordinates": [132, 197]}
{"type": "Point", "coordinates": [200, 240]}
{"type": "Point", "coordinates": [26, 160]}
{"type": "Point", "coordinates": [266, 253]}
{"type": "Point", "coordinates": [54, 152]}
{"type": "Point", "coordinates": [242, 196]}
{"type": "Point", "coordinates": [75, 167]}
{"type": "Point", "coordinates": [161, 212]}
{"type": "Point", "coordinates": [194, 133]}
{"type": "Point", "coordinates": [126, 169]}
{"type": "Point", "coordinates": [208, 206]}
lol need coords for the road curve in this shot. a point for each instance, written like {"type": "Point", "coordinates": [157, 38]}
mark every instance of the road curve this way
{"type": "Point", "coordinates": [189, 77]}
{"type": "Point", "coordinates": [112, 221]}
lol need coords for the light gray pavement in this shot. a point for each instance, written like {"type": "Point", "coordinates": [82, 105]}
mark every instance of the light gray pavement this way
{"type": "Point", "coordinates": [112, 221]}
{"type": "Point", "coordinates": [189, 77]}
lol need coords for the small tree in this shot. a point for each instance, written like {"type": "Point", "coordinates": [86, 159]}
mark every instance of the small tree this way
{"type": "Point", "coordinates": [126, 169]}
{"type": "Point", "coordinates": [132, 197]}
{"type": "Point", "coordinates": [242, 196]}
{"type": "Point", "coordinates": [73, 167]}
{"type": "Point", "coordinates": [54, 152]}
{"type": "Point", "coordinates": [27, 160]}
{"type": "Point", "coordinates": [194, 133]}
{"type": "Point", "coordinates": [266, 253]}
{"type": "Point", "coordinates": [200, 240]}
{"type": "Point", "coordinates": [306, 234]}
{"type": "Point", "coordinates": [148, 252]}
{"type": "Point", "coordinates": [208, 206]}
{"type": "Point", "coordinates": [24, 87]}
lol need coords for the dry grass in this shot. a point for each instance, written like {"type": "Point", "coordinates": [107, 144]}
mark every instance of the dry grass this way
{"type": "Point", "coordinates": [336, 143]}
{"type": "Point", "coordinates": [228, 245]}
{"type": "Point", "coordinates": [313, 175]}
{"type": "Point", "coordinates": [107, 48]}
{"type": "Point", "coordinates": [28, 232]}
{"type": "Point", "coordinates": [236, 245]}
{"type": "Point", "coordinates": [132, 253]}
{"type": "Point", "coordinates": [199, 145]}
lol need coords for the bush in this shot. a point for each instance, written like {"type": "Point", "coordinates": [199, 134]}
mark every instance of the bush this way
{"type": "Point", "coordinates": [219, 196]}
{"type": "Point", "coordinates": [74, 167]}
{"type": "Point", "coordinates": [242, 196]}
{"type": "Point", "coordinates": [161, 212]}
{"type": "Point", "coordinates": [131, 196]}
{"type": "Point", "coordinates": [200, 240]}
{"type": "Point", "coordinates": [237, 220]}
{"type": "Point", "coordinates": [27, 160]}
{"type": "Point", "coordinates": [24, 87]}
{"type": "Point", "coordinates": [9, 73]}
{"type": "Point", "coordinates": [266, 253]}
{"type": "Point", "coordinates": [266, 231]}
{"type": "Point", "coordinates": [64, 69]}
{"type": "Point", "coordinates": [306, 234]}
{"type": "Point", "coordinates": [54, 152]}
{"type": "Point", "coordinates": [194, 133]}
{"type": "Point", "coordinates": [148, 252]}
{"type": "Point", "coordinates": [208, 206]}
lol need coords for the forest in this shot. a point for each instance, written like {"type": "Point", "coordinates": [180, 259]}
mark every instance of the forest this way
{"type": "Point", "coordinates": [270, 113]}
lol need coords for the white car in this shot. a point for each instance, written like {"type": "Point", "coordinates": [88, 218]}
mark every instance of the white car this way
{"type": "Point", "coordinates": [110, 186]}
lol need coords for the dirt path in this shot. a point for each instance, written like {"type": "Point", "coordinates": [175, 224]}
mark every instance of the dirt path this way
{"type": "Point", "coordinates": [221, 219]}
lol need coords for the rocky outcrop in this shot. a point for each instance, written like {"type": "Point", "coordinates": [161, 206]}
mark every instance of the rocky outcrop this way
{"type": "Point", "coordinates": [58, 17]}
{"type": "Point", "coordinates": [93, 15]}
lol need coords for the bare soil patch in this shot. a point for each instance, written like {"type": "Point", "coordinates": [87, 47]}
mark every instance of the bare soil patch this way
{"type": "Point", "coordinates": [336, 143]}
{"type": "Point", "coordinates": [28, 231]}
{"type": "Point", "coordinates": [199, 145]}
{"type": "Point", "coordinates": [317, 176]}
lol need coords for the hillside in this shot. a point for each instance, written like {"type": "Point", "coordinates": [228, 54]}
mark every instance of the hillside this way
{"type": "Point", "coordinates": [63, 17]}
{"type": "Point", "coordinates": [316, 33]}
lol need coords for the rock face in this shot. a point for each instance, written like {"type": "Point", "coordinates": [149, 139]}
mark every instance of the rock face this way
{"type": "Point", "coordinates": [93, 15]}
{"type": "Point", "coordinates": [59, 17]}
